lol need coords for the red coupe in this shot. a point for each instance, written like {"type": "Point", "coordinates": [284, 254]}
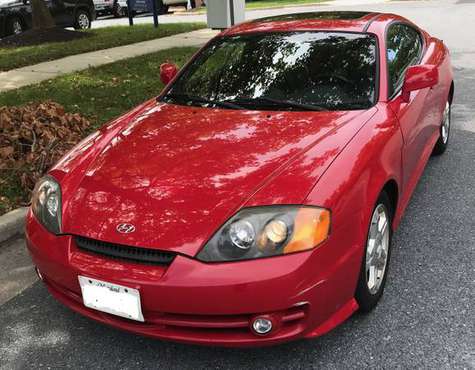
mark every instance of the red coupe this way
{"type": "Point", "coordinates": [253, 202]}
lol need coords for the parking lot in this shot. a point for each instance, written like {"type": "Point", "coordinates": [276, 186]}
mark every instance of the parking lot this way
{"type": "Point", "coordinates": [425, 320]}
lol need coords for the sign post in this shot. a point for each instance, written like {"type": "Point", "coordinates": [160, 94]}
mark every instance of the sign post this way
{"type": "Point", "coordinates": [130, 12]}
{"type": "Point", "coordinates": [155, 13]}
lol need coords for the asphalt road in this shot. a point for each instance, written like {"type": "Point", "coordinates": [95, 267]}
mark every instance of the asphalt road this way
{"type": "Point", "coordinates": [425, 320]}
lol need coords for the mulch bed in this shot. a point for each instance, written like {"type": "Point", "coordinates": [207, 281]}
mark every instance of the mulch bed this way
{"type": "Point", "coordinates": [33, 137]}
{"type": "Point", "coordinates": [36, 37]}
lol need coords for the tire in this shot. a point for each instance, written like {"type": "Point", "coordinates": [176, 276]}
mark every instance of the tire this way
{"type": "Point", "coordinates": [161, 7]}
{"type": "Point", "coordinates": [14, 26]}
{"type": "Point", "coordinates": [118, 11]}
{"type": "Point", "coordinates": [82, 20]}
{"type": "Point", "coordinates": [443, 141]}
{"type": "Point", "coordinates": [372, 279]}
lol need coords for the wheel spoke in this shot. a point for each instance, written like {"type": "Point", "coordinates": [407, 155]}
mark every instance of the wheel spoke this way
{"type": "Point", "coordinates": [377, 249]}
{"type": "Point", "coordinates": [372, 277]}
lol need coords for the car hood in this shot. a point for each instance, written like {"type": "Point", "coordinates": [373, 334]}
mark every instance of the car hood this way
{"type": "Point", "coordinates": [178, 173]}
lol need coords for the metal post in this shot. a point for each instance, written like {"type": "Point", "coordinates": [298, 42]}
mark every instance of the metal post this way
{"type": "Point", "coordinates": [130, 12]}
{"type": "Point", "coordinates": [155, 14]}
{"type": "Point", "coordinates": [231, 11]}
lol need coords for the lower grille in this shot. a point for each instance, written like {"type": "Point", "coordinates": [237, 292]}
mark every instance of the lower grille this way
{"type": "Point", "coordinates": [142, 255]}
{"type": "Point", "coordinates": [223, 322]}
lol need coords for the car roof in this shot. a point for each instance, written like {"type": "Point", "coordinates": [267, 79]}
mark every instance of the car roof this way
{"type": "Point", "coordinates": [349, 21]}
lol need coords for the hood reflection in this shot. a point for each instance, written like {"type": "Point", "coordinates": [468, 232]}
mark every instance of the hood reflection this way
{"type": "Point", "coordinates": [177, 173]}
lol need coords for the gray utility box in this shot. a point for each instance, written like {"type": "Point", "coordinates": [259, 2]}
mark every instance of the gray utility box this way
{"type": "Point", "coordinates": [225, 13]}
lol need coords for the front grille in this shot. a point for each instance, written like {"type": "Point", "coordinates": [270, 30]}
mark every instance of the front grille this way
{"type": "Point", "coordinates": [143, 255]}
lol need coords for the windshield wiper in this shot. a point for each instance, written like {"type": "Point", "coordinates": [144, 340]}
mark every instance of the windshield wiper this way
{"type": "Point", "coordinates": [265, 101]}
{"type": "Point", "coordinates": [353, 105]}
{"type": "Point", "coordinates": [202, 100]}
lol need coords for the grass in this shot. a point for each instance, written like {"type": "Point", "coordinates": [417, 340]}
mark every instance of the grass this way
{"type": "Point", "coordinates": [268, 4]}
{"type": "Point", "coordinates": [100, 94]}
{"type": "Point", "coordinates": [101, 38]}
{"type": "Point", "coordinates": [278, 3]}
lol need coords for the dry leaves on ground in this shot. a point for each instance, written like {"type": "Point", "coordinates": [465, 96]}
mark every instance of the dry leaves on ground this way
{"type": "Point", "coordinates": [33, 137]}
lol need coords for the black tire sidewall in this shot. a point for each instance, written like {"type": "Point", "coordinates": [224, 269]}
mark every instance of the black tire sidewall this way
{"type": "Point", "coordinates": [117, 10]}
{"type": "Point", "coordinates": [161, 8]}
{"type": "Point", "coordinates": [10, 23]}
{"type": "Point", "coordinates": [365, 299]}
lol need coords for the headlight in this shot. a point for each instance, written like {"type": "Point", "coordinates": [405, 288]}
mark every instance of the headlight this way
{"type": "Point", "coordinates": [46, 204]}
{"type": "Point", "coordinates": [268, 231]}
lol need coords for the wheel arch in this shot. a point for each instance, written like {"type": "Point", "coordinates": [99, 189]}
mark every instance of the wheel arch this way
{"type": "Point", "coordinates": [392, 190]}
{"type": "Point", "coordinates": [451, 92]}
{"type": "Point", "coordinates": [19, 16]}
{"type": "Point", "coordinates": [85, 8]}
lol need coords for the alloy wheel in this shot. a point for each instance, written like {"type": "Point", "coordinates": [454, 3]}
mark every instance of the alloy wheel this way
{"type": "Point", "coordinates": [17, 27]}
{"type": "Point", "coordinates": [83, 21]}
{"type": "Point", "coordinates": [445, 129]}
{"type": "Point", "coordinates": [377, 249]}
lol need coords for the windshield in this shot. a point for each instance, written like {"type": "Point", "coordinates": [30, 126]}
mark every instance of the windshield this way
{"type": "Point", "coordinates": [282, 71]}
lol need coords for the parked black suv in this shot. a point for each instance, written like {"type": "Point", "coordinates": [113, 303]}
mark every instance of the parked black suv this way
{"type": "Point", "coordinates": [15, 15]}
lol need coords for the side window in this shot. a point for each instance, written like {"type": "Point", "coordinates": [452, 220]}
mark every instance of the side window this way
{"type": "Point", "coordinates": [404, 48]}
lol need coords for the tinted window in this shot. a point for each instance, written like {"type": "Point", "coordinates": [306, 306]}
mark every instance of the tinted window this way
{"type": "Point", "coordinates": [404, 47]}
{"type": "Point", "coordinates": [328, 70]}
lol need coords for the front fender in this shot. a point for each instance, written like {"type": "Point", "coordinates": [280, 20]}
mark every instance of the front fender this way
{"type": "Point", "coordinates": [353, 182]}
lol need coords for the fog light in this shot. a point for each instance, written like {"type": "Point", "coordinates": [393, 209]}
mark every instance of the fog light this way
{"type": "Point", "coordinates": [262, 326]}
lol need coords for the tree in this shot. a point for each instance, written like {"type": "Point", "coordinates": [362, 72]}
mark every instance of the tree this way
{"type": "Point", "coordinates": [42, 18]}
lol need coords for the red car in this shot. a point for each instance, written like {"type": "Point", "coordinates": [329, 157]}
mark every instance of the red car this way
{"type": "Point", "coordinates": [254, 200]}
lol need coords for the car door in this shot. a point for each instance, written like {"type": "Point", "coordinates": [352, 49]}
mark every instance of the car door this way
{"type": "Point", "coordinates": [405, 47]}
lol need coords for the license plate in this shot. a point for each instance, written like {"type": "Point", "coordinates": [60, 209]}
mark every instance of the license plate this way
{"type": "Point", "coordinates": [111, 298]}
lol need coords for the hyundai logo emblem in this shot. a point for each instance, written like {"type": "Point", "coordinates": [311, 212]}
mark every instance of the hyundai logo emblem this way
{"type": "Point", "coordinates": [125, 228]}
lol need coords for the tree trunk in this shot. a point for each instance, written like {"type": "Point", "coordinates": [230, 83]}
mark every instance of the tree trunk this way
{"type": "Point", "coordinates": [41, 15]}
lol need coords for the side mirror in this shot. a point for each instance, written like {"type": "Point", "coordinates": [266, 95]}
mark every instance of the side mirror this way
{"type": "Point", "coordinates": [167, 72]}
{"type": "Point", "coordinates": [417, 78]}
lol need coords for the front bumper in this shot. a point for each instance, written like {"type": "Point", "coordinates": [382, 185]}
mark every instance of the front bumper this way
{"type": "Point", "coordinates": [190, 301]}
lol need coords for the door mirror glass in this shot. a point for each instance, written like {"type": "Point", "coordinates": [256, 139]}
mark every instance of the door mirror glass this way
{"type": "Point", "coordinates": [417, 78]}
{"type": "Point", "coordinates": [167, 72]}
{"type": "Point", "coordinates": [404, 48]}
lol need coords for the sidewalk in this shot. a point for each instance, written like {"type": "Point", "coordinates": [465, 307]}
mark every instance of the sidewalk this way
{"type": "Point", "coordinates": [20, 77]}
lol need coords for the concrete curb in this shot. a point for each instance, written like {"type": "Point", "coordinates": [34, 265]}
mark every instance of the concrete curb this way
{"type": "Point", "coordinates": [12, 223]}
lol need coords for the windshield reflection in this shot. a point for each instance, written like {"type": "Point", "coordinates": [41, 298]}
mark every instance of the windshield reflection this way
{"type": "Point", "coordinates": [282, 71]}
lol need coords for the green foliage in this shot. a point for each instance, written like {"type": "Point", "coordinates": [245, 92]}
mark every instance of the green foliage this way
{"type": "Point", "coordinates": [100, 94]}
